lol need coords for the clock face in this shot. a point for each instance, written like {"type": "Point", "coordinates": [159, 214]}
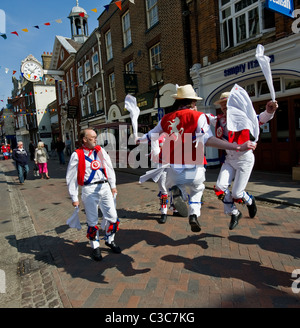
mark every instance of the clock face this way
{"type": "Point", "coordinates": [32, 71]}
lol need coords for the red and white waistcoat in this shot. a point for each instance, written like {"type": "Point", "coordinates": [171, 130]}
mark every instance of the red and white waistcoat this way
{"type": "Point", "coordinates": [81, 164]}
{"type": "Point", "coordinates": [179, 148]}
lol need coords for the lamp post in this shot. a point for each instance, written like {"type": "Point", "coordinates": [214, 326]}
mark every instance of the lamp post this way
{"type": "Point", "coordinates": [156, 76]}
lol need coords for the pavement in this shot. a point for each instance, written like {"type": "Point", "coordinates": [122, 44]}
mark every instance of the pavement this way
{"type": "Point", "coordinates": [46, 264]}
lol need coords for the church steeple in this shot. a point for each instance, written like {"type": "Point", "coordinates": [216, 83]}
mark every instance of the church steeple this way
{"type": "Point", "coordinates": [79, 23]}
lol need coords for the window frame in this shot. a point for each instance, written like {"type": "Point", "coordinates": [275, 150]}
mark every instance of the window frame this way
{"type": "Point", "coordinates": [95, 64]}
{"type": "Point", "coordinates": [126, 30]}
{"type": "Point", "coordinates": [87, 72]}
{"type": "Point", "coordinates": [112, 87]}
{"type": "Point", "coordinates": [152, 13]}
{"type": "Point", "coordinates": [108, 46]}
{"type": "Point", "coordinates": [228, 24]}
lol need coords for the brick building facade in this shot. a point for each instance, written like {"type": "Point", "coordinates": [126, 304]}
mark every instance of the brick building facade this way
{"type": "Point", "coordinates": [224, 36]}
{"type": "Point", "coordinates": [133, 40]}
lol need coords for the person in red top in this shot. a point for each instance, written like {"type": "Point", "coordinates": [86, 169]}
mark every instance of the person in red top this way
{"type": "Point", "coordinates": [5, 149]}
{"type": "Point", "coordinates": [237, 165]}
{"type": "Point", "coordinates": [187, 131]}
{"type": "Point", "coordinates": [91, 168]}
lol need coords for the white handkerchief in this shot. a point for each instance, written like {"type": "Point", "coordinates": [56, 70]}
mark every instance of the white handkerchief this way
{"type": "Point", "coordinates": [73, 221]}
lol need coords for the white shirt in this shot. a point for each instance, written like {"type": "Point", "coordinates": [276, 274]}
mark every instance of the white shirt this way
{"type": "Point", "coordinates": [71, 176]}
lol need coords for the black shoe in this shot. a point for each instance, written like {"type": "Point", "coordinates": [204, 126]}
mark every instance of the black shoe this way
{"type": "Point", "coordinates": [114, 247]}
{"type": "Point", "coordinates": [234, 220]}
{"type": "Point", "coordinates": [176, 213]}
{"type": "Point", "coordinates": [96, 254]}
{"type": "Point", "coordinates": [252, 209]}
{"type": "Point", "coordinates": [195, 226]}
{"type": "Point", "coordinates": [178, 201]}
{"type": "Point", "coordinates": [163, 218]}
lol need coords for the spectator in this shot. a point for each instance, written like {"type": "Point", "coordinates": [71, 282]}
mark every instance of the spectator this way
{"type": "Point", "coordinates": [20, 156]}
{"type": "Point", "coordinates": [40, 158]}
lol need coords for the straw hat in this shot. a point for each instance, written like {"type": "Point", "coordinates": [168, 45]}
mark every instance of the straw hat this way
{"type": "Point", "coordinates": [186, 92]}
{"type": "Point", "coordinates": [224, 96]}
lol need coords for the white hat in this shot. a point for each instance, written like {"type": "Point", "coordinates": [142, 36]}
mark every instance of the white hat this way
{"type": "Point", "coordinates": [224, 96]}
{"type": "Point", "coordinates": [186, 92]}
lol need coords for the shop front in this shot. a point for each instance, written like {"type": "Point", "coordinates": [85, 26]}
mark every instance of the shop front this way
{"type": "Point", "coordinates": [279, 143]}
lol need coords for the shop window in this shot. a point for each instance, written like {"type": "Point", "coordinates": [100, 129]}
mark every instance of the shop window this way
{"type": "Point", "coordinates": [250, 88]}
{"type": "Point", "coordinates": [297, 118]}
{"type": "Point", "coordinates": [265, 129]}
{"type": "Point", "coordinates": [291, 84]}
{"type": "Point", "coordinates": [264, 89]}
{"type": "Point", "coordinates": [282, 115]}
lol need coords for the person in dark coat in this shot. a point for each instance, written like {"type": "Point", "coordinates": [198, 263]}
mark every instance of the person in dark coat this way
{"type": "Point", "coordinates": [20, 156]}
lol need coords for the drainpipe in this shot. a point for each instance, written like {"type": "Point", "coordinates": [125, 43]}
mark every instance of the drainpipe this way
{"type": "Point", "coordinates": [102, 73]}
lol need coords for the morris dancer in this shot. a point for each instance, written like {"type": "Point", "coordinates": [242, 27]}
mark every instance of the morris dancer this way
{"type": "Point", "coordinates": [237, 165]}
{"type": "Point", "coordinates": [90, 167]}
{"type": "Point", "coordinates": [187, 131]}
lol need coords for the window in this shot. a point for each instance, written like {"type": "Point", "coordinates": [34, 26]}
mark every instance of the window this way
{"type": "Point", "coordinates": [80, 75]}
{"type": "Point", "coordinates": [95, 63]}
{"type": "Point", "coordinates": [129, 67]}
{"type": "Point", "coordinates": [241, 20]}
{"type": "Point", "coordinates": [99, 101]}
{"type": "Point", "coordinates": [126, 29]}
{"type": "Point", "coordinates": [108, 44]}
{"type": "Point", "coordinates": [152, 12]}
{"type": "Point", "coordinates": [112, 87]}
{"type": "Point", "coordinates": [291, 83]}
{"type": "Point", "coordinates": [155, 56]}
{"type": "Point", "coordinates": [264, 89]}
{"type": "Point", "coordinates": [91, 107]}
{"type": "Point", "coordinates": [83, 107]}
{"type": "Point", "coordinates": [87, 70]}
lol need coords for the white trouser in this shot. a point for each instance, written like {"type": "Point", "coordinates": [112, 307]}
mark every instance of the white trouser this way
{"type": "Point", "coordinates": [163, 190]}
{"type": "Point", "coordinates": [191, 179]}
{"type": "Point", "coordinates": [237, 166]}
{"type": "Point", "coordinates": [96, 196]}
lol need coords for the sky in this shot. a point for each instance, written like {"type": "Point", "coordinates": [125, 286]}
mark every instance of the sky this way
{"type": "Point", "coordinates": [25, 14]}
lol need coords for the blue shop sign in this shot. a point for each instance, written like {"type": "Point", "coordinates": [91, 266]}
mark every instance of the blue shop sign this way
{"type": "Point", "coordinates": [284, 7]}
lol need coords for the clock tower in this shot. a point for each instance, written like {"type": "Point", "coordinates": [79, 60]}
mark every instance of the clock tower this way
{"type": "Point", "coordinates": [79, 24]}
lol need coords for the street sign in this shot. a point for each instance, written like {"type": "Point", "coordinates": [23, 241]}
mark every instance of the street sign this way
{"type": "Point", "coordinates": [160, 113]}
{"type": "Point", "coordinates": [284, 7]}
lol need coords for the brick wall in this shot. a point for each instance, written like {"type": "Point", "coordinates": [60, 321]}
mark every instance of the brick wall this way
{"type": "Point", "coordinates": [168, 31]}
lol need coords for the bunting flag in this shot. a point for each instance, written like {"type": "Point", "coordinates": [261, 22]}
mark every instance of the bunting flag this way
{"type": "Point", "coordinates": [119, 4]}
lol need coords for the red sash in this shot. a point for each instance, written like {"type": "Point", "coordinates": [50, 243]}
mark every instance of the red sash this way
{"type": "Point", "coordinates": [81, 165]}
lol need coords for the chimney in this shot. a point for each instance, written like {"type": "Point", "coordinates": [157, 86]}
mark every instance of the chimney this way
{"type": "Point", "coordinates": [46, 58]}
